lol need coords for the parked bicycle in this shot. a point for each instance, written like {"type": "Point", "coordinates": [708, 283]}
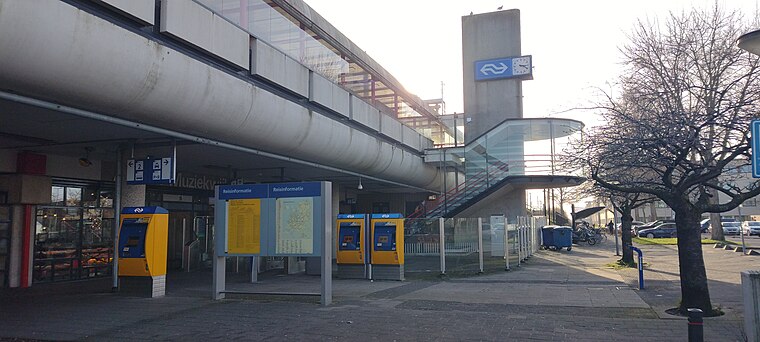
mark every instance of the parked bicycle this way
{"type": "Point", "coordinates": [586, 234]}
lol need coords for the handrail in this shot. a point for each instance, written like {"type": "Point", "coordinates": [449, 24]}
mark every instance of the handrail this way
{"type": "Point", "coordinates": [500, 171]}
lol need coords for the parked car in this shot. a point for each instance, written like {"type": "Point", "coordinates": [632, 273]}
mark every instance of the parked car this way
{"type": "Point", "coordinates": [664, 230]}
{"type": "Point", "coordinates": [649, 225]}
{"type": "Point", "coordinates": [704, 225]}
{"type": "Point", "coordinates": [634, 224]}
{"type": "Point", "coordinates": [751, 228]}
{"type": "Point", "coordinates": [731, 228]}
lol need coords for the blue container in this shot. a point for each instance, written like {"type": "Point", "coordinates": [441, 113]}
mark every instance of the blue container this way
{"type": "Point", "coordinates": [563, 237]}
{"type": "Point", "coordinates": [547, 237]}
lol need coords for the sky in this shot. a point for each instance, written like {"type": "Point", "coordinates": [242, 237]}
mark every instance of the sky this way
{"type": "Point", "coordinates": [574, 44]}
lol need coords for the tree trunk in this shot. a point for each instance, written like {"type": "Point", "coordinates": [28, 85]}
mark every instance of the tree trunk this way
{"type": "Point", "coordinates": [625, 235]}
{"type": "Point", "coordinates": [694, 292]}
{"type": "Point", "coordinates": [716, 230]}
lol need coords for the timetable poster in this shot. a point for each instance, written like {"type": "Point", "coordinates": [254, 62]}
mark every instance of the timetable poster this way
{"type": "Point", "coordinates": [244, 232]}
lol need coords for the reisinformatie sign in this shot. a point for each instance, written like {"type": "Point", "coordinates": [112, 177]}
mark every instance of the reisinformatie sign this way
{"type": "Point", "coordinates": [284, 219]}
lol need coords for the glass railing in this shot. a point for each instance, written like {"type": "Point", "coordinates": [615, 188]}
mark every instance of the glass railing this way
{"type": "Point", "coordinates": [513, 148]}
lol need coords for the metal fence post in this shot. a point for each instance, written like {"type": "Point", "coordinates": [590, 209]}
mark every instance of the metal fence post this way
{"type": "Point", "coordinates": [506, 245]}
{"type": "Point", "coordinates": [517, 242]}
{"type": "Point", "coordinates": [442, 245]}
{"type": "Point", "coordinates": [480, 243]}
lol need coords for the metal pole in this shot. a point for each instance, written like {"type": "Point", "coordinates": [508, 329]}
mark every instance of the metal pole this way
{"type": "Point", "coordinates": [254, 269]}
{"type": "Point", "coordinates": [480, 243]}
{"type": "Point", "coordinates": [442, 245]}
{"type": "Point", "coordinates": [506, 244]}
{"type": "Point", "coordinates": [741, 231]}
{"type": "Point", "coordinates": [696, 332]}
{"type": "Point", "coordinates": [174, 161]}
{"type": "Point", "coordinates": [517, 241]}
{"type": "Point", "coordinates": [184, 228]}
{"type": "Point", "coordinates": [117, 222]}
{"type": "Point", "coordinates": [616, 230]}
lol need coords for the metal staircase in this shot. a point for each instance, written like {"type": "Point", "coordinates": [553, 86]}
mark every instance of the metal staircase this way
{"type": "Point", "coordinates": [485, 163]}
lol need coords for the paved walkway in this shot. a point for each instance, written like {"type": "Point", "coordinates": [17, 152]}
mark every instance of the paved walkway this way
{"type": "Point", "coordinates": [557, 296]}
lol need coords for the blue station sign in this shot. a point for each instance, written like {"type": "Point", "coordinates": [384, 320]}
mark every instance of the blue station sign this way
{"type": "Point", "coordinates": [507, 67]}
{"type": "Point", "coordinates": [150, 171]}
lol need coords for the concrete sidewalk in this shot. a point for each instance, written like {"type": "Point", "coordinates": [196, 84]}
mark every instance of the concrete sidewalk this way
{"type": "Point", "coordinates": [557, 296]}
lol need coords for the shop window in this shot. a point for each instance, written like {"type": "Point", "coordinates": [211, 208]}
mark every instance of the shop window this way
{"type": "Point", "coordinates": [73, 197]}
{"type": "Point", "coordinates": [106, 199]}
{"type": "Point", "coordinates": [57, 196]}
{"type": "Point", "coordinates": [752, 202]}
{"type": "Point", "coordinates": [74, 235]}
{"type": "Point", "coordinates": [90, 197]}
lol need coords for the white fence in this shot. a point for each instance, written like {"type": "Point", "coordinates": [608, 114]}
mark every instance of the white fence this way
{"type": "Point", "coordinates": [434, 248]}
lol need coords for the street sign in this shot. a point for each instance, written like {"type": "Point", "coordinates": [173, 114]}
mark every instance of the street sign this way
{"type": "Point", "coordinates": [755, 136]}
{"type": "Point", "coordinates": [508, 67]}
{"type": "Point", "coordinates": [150, 171]}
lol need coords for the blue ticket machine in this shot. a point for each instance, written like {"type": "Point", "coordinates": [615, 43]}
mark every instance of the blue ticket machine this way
{"type": "Point", "coordinates": [352, 254]}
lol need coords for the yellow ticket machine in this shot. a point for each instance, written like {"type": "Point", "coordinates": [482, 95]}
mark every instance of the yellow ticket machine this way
{"type": "Point", "coordinates": [387, 251]}
{"type": "Point", "coordinates": [352, 254]}
{"type": "Point", "coordinates": [142, 250]}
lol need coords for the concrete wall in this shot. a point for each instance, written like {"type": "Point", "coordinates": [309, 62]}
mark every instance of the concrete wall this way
{"type": "Point", "coordinates": [487, 103]}
{"type": "Point", "coordinates": [390, 127]}
{"type": "Point", "coordinates": [277, 67]}
{"type": "Point", "coordinates": [197, 25]}
{"type": "Point", "coordinates": [363, 113]}
{"type": "Point", "coordinates": [142, 10]}
{"type": "Point", "coordinates": [509, 201]}
{"type": "Point", "coordinates": [328, 94]}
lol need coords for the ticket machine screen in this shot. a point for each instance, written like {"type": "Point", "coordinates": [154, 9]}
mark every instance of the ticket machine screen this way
{"type": "Point", "coordinates": [349, 237]}
{"type": "Point", "coordinates": [132, 238]}
{"type": "Point", "coordinates": [385, 237]}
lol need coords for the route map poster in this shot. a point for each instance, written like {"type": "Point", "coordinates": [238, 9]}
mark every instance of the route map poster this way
{"type": "Point", "coordinates": [244, 231]}
{"type": "Point", "coordinates": [295, 225]}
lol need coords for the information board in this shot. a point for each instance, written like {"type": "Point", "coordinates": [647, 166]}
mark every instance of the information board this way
{"type": "Point", "coordinates": [295, 225]}
{"type": "Point", "coordinates": [282, 219]}
{"type": "Point", "coordinates": [244, 227]}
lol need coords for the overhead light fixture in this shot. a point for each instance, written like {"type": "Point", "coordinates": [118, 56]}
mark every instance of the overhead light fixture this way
{"type": "Point", "coordinates": [85, 161]}
{"type": "Point", "coordinates": [360, 187]}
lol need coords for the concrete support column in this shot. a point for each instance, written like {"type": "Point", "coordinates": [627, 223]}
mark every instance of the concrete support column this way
{"type": "Point", "coordinates": [17, 233]}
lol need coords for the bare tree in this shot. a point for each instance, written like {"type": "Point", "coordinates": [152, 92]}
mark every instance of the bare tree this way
{"type": "Point", "coordinates": [679, 127]}
{"type": "Point", "coordinates": [587, 152]}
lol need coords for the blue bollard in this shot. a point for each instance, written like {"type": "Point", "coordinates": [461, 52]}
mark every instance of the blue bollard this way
{"type": "Point", "coordinates": [641, 267]}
